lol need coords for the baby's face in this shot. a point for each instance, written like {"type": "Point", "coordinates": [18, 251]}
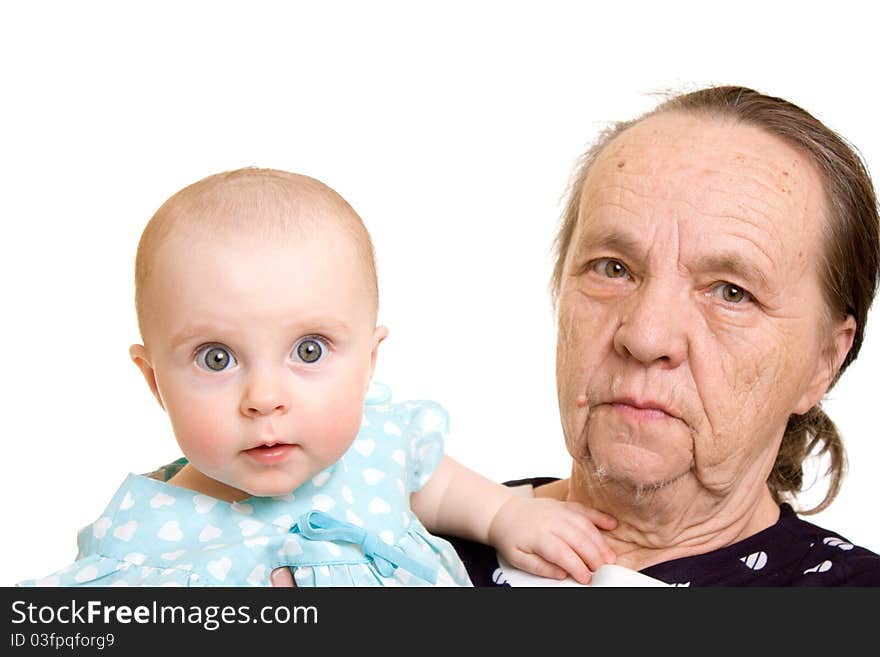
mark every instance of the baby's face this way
{"type": "Point", "coordinates": [262, 351]}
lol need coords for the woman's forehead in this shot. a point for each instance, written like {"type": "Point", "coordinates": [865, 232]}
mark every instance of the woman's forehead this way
{"type": "Point", "coordinates": [713, 182]}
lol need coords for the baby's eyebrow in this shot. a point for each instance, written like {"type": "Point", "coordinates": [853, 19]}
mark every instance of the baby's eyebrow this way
{"type": "Point", "coordinates": [190, 333]}
{"type": "Point", "coordinates": [319, 325]}
{"type": "Point", "coordinates": [299, 328]}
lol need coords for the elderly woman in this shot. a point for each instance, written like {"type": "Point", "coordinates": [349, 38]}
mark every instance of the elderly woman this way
{"type": "Point", "coordinates": [715, 266]}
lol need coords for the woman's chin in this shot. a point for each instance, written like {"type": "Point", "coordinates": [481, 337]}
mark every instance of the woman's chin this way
{"type": "Point", "coordinates": [637, 473]}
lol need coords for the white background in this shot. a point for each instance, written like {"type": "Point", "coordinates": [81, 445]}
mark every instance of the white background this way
{"type": "Point", "coordinates": [451, 129]}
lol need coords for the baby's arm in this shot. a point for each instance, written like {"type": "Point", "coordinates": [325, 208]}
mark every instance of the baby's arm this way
{"type": "Point", "coordinates": [546, 537]}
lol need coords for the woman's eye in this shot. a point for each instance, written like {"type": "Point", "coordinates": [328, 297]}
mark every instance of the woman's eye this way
{"type": "Point", "coordinates": [309, 350]}
{"type": "Point", "coordinates": [731, 293]}
{"type": "Point", "coordinates": [215, 358]}
{"type": "Point", "coordinates": [610, 268]}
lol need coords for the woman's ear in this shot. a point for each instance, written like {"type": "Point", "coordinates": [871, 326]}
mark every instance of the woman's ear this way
{"type": "Point", "coordinates": [141, 358]}
{"type": "Point", "coordinates": [828, 363]}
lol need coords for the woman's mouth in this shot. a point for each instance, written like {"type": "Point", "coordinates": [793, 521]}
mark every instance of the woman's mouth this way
{"type": "Point", "coordinates": [641, 410]}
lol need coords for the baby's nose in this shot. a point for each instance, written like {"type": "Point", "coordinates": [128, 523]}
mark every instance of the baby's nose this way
{"type": "Point", "coordinates": [264, 397]}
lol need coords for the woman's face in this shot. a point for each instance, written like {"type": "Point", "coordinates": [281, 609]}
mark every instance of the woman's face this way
{"type": "Point", "coordinates": [691, 316]}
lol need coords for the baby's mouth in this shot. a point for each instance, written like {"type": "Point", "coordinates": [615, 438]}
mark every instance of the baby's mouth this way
{"type": "Point", "coordinates": [270, 452]}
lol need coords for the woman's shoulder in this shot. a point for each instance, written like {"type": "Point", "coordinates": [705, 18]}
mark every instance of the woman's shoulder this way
{"type": "Point", "coordinates": [791, 552]}
{"type": "Point", "coordinates": [829, 557]}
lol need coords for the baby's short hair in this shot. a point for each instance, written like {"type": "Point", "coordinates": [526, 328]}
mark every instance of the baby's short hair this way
{"type": "Point", "coordinates": [264, 202]}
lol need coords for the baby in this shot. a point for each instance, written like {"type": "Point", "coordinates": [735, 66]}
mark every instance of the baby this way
{"type": "Point", "coordinates": [257, 300]}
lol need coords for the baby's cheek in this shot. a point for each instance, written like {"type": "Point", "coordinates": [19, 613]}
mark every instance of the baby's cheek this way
{"type": "Point", "coordinates": [335, 428]}
{"type": "Point", "coordinates": [201, 435]}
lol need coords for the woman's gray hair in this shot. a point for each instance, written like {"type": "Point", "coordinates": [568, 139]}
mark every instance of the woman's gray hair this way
{"type": "Point", "coordinates": [851, 256]}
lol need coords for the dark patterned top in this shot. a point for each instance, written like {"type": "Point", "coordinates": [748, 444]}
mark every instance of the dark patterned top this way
{"type": "Point", "coordinates": [791, 552]}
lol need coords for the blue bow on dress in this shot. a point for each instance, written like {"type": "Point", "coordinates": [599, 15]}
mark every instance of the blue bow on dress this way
{"type": "Point", "coordinates": [320, 526]}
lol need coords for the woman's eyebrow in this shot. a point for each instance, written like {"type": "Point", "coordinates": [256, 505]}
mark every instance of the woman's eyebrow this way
{"type": "Point", "coordinates": [609, 240]}
{"type": "Point", "coordinates": [734, 263]}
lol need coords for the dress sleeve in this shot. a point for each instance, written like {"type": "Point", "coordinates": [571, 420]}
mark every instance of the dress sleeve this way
{"type": "Point", "coordinates": [426, 433]}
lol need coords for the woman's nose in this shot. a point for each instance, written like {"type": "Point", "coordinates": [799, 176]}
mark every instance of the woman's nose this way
{"type": "Point", "coordinates": [654, 325]}
{"type": "Point", "coordinates": [264, 395]}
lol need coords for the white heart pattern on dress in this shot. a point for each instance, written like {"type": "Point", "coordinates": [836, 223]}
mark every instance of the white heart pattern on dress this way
{"type": "Point", "coordinates": [203, 503]}
{"type": "Point", "coordinates": [209, 533]}
{"type": "Point", "coordinates": [99, 529]}
{"type": "Point", "coordinates": [291, 547]}
{"type": "Point", "coordinates": [392, 429]}
{"type": "Point", "coordinates": [172, 556]}
{"type": "Point", "coordinates": [373, 476]}
{"type": "Point", "coordinates": [378, 506]}
{"type": "Point", "coordinates": [160, 500]}
{"type": "Point", "coordinates": [323, 502]}
{"type": "Point", "coordinates": [170, 531]}
{"type": "Point", "coordinates": [352, 517]}
{"type": "Point", "coordinates": [213, 546]}
{"type": "Point", "coordinates": [126, 531]}
{"type": "Point", "coordinates": [219, 569]}
{"type": "Point", "coordinates": [250, 527]}
{"type": "Point", "coordinates": [134, 557]}
{"type": "Point", "coordinates": [283, 521]}
{"type": "Point", "coordinates": [127, 502]}
{"type": "Point", "coordinates": [257, 575]}
{"type": "Point", "coordinates": [364, 447]}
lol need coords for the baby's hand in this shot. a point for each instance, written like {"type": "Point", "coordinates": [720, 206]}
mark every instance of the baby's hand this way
{"type": "Point", "coordinates": [281, 577]}
{"type": "Point", "coordinates": [551, 538]}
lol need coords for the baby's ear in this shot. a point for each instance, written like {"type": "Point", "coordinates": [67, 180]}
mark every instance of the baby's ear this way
{"type": "Point", "coordinates": [379, 334]}
{"type": "Point", "coordinates": [141, 358]}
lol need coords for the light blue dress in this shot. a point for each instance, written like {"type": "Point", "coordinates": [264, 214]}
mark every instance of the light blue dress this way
{"type": "Point", "coordinates": [350, 525]}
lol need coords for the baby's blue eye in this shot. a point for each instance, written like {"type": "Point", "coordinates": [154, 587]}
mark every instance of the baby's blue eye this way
{"type": "Point", "coordinates": [309, 351]}
{"type": "Point", "coordinates": [215, 358]}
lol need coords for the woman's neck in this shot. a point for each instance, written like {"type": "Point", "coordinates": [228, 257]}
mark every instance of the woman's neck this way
{"type": "Point", "coordinates": [680, 520]}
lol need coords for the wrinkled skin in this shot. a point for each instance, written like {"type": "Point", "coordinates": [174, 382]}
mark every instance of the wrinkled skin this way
{"type": "Point", "coordinates": [691, 325]}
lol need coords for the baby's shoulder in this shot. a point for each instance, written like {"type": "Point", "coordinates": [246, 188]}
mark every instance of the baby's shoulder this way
{"type": "Point", "coordinates": [408, 420]}
{"type": "Point", "coordinates": [379, 403]}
